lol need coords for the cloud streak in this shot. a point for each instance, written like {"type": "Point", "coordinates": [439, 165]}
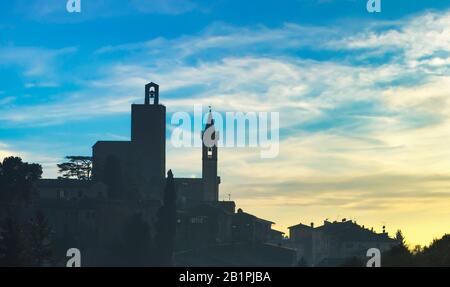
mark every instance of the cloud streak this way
{"type": "Point", "coordinates": [364, 116]}
{"type": "Point", "coordinates": [55, 10]}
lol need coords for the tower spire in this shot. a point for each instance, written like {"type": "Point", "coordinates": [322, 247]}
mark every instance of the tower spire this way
{"type": "Point", "coordinates": [210, 120]}
{"type": "Point", "coordinates": [209, 159]}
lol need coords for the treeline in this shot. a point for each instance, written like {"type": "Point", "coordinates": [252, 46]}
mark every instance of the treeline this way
{"type": "Point", "coordinates": [22, 243]}
{"type": "Point", "coordinates": [28, 242]}
{"type": "Point", "coordinates": [17, 181]}
{"type": "Point", "coordinates": [437, 254]}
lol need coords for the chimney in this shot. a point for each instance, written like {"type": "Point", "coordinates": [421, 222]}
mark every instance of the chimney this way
{"type": "Point", "coordinates": [312, 224]}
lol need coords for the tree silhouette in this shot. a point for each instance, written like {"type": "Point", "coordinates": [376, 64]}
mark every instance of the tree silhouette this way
{"type": "Point", "coordinates": [77, 167]}
{"type": "Point", "coordinates": [17, 180]}
{"type": "Point", "coordinates": [400, 238]}
{"type": "Point", "coordinates": [399, 255]}
{"type": "Point", "coordinates": [166, 225]}
{"type": "Point", "coordinates": [12, 244]}
{"type": "Point", "coordinates": [39, 241]}
{"type": "Point", "coordinates": [417, 249]}
{"type": "Point", "coordinates": [437, 254]}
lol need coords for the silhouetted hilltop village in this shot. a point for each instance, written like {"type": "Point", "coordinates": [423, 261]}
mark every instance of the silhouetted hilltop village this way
{"type": "Point", "coordinates": [128, 213]}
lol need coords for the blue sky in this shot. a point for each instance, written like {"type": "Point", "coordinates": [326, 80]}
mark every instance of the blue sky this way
{"type": "Point", "coordinates": [363, 98]}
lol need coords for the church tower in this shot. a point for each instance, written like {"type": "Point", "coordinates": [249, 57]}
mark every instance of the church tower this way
{"type": "Point", "coordinates": [211, 181]}
{"type": "Point", "coordinates": [148, 142]}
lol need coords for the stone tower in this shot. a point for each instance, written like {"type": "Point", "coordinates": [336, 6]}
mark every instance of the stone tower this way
{"type": "Point", "coordinates": [211, 181]}
{"type": "Point", "coordinates": [148, 142]}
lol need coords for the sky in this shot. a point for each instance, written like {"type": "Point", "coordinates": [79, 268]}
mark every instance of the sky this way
{"type": "Point", "coordinates": [363, 98]}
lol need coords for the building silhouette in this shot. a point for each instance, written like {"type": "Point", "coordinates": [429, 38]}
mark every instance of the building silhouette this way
{"type": "Point", "coordinates": [128, 180]}
{"type": "Point", "coordinates": [142, 160]}
{"type": "Point", "coordinates": [115, 217]}
{"type": "Point", "coordinates": [334, 243]}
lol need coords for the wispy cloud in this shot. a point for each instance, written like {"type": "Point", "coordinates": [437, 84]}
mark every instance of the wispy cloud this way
{"type": "Point", "coordinates": [6, 100]}
{"type": "Point", "coordinates": [55, 10]}
{"type": "Point", "coordinates": [418, 37]}
{"type": "Point", "coordinates": [221, 37]}
{"type": "Point", "coordinates": [35, 62]}
{"type": "Point", "coordinates": [364, 114]}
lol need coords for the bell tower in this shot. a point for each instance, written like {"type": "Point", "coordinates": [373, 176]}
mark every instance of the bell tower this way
{"type": "Point", "coordinates": [148, 142]}
{"type": "Point", "coordinates": [152, 92]}
{"type": "Point", "coordinates": [211, 181]}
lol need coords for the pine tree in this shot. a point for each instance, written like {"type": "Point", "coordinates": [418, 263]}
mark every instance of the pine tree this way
{"type": "Point", "coordinates": [12, 244]}
{"type": "Point", "coordinates": [400, 238]}
{"type": "Point", "coordinates": [77, 167]}
{"type": "Point", "coordinates": [39, 241]}
{"type": "Point", "coordinates": [399, 255]}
